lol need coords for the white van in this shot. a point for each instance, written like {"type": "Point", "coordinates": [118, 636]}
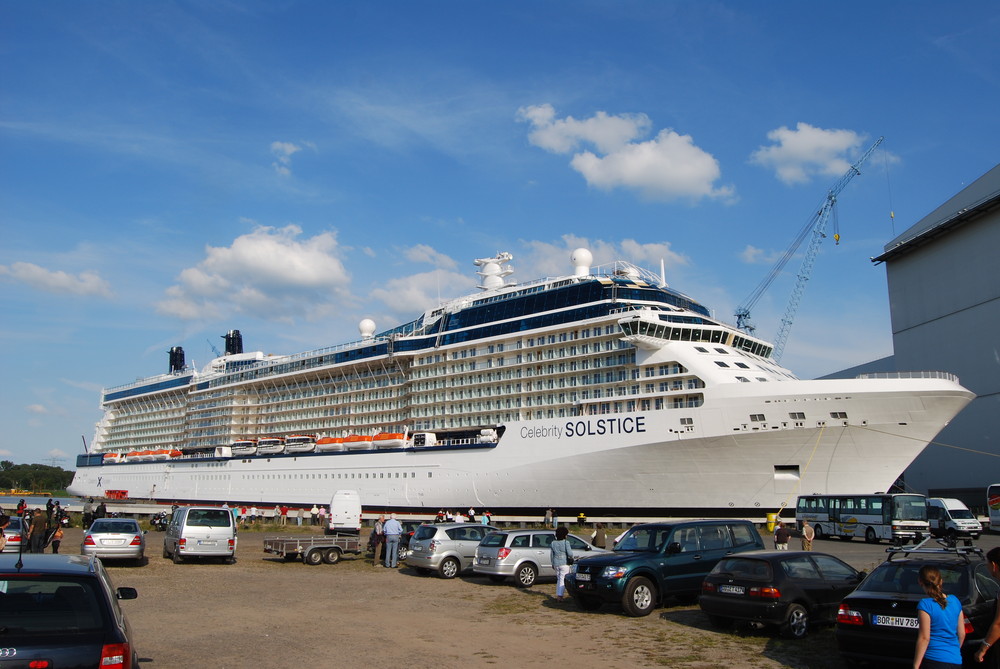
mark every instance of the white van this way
{"type": "Point", "coordinates": [950, 518]}
{"type": "Point", "coordinates": [345, 513]}
{"type": "Point", "coordinates": [199, 532]}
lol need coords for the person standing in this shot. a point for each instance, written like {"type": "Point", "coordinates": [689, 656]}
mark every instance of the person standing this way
{"type": "Point", "coordinates": [600, 537]}
{"type": "Point", "coordinates": [322, 516]}
{"type": "Point", "coordinates": [547, 520]}
{"type": "Point", "coordinates": [941, 630]}
{"type": "Point", "coordinates": [993, 633]}
{"type": "Point", "coordinates": [555, 519]}
{"type": "Point", "coordinates": [298, 516]}
{"type": "Point", "coordinates": [393, 529]}
{"type": "Point", "coordinates": [57, 536]}
{"type": "Point", "coordinates": [808, 534]}
{"type": "Point", "coordinates": [378, 540]}
{"type": "Point", "coordinates": [284, 514]}
{"type": "Point", "coordinates": [561, 554]}
{"type": "Point", "coordinates": [36, 532]}
{"type": "Point", "coordinates": [253, 515]}
{"type": "Point", "coordinates": [314, 511]}
{"type": "Point", "coordinates": [781, 536]}
{"type": "Point", "coordinates": [88, 512]}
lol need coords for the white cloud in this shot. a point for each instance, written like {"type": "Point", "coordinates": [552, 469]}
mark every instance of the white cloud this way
{"type": "Point", "coordinates": [283, 152]}
{"type": "Point", "coordinates": [85, 283]}
{"type": "Point", "coordinates": [668, 167]}
{"type": "Point", "coordinates": [426, 254]}
{"type": "Point", "coordinates": [56, 454]}
{"type": "Point", "coordinates": [37, 408]}
{"type": "Point", "coordinates": [419, 292]}
{"type": "Point", "coordinates": [798, 155]}
{"type": "Point", "coordinates": [755, 256]}
{"type": "Point", "coordinates": [553, 259]}
{"type": "Point", "coordinates": [270, 272]}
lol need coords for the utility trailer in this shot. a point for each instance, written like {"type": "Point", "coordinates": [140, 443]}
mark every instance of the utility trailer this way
{"type": "Point", "coordinates": [313, 550]}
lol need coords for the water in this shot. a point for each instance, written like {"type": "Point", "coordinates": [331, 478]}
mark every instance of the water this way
{"type": "Point", "coordinates": [9, 503]}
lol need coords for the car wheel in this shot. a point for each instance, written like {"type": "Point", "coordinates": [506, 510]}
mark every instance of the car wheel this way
{"type": "Point", "coordinates": [401, 553]}
{"type": "Point", "coordinates": [639, 598]}
{"type": "Point", "coordinates": [526, 575]}
{"type": "Point", "coordinates": [820, 534]}
{"type": "Point", "coordinates": [721, 622]}
{"type": "Point", "coordinates": [314, 557]}
{"type": "Point", "coordinates": [796, 622]}
{"type": "Point", "coordinates": [496, 578]}
{"type": "Point", "coordinates": [870, 536]}
{"type": "Point", "coordinates": [176, 557]}
{"type": "Point", "coordinates": [588, 603]}
{"type": "Point", "coordinates": [449, 568]}
{"type": "Point", "coordinates": [331, 556]}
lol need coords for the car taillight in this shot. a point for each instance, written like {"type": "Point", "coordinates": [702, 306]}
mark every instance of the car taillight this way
{"type": "Point", "coordinates": [39, 664]}
{"type": "Point", "coordinates": [115, 656]}
{"type": "Point", "coordinates": [968, 626]}
{"type": "Point", "coordinates": [182, 542]}
{"type": "Point", "coordinates": [848, 616]}
{"type": "Point", "coordinates": [136, 540]}
{"type": "Point", "coordinates": [707, 587]}
{"type": "Point", "coordinates": [765, 592]}
{"type": "Point", "coordinates": [502, 553]}
{"type": "Point", "coordinates": [433, 546]}
{"type": "Point", "coordinates": [232, 544]}
{"type": "Point", "coordinates": [89, 541]}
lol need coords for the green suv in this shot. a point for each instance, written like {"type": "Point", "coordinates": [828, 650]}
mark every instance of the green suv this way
{"type": "Point", "coordinates": [656, 560]}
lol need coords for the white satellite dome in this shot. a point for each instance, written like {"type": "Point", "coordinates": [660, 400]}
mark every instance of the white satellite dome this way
{"type": "Point", "coordinates": [581, 259]}
{"type": "Point", "coordinates": [367, 328]}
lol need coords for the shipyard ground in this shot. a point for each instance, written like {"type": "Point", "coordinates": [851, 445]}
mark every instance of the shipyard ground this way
{"type": "Point", "coordinates": [266, 612]}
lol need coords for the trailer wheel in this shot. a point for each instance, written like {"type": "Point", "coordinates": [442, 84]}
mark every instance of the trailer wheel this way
{"type": "Point", "coordinates": [314, 557]}
{"type": "Point", "coordinates": [332, 555]}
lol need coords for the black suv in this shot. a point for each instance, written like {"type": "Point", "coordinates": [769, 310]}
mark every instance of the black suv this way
{"type": "Point", "coordinates": [878, 621]}
{"type": "Point", "coordinates": [62, 611]}
{"type": "Point", "coordinates": [656, 560]}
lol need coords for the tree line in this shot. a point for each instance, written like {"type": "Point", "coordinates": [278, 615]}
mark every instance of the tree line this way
{"type": "Point", "coordinates": [36, 478]}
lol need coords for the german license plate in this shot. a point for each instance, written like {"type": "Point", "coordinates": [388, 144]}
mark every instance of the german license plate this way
{"type": "Point", "coordinates": [484, 560]}
{"type": "Point", "coordinates": [895, 621]}
{"type": "Point", "coordinates": [206, 542]}
{"type": "Point", "coordinates": [113, 542]}
{"type": "Point", "coordinates": [583, 577]}
{"type": "Point", "coordinates": [732, 589]}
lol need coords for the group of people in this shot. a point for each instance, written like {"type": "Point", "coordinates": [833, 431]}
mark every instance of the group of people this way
{"type": "Point", "coordinates": [782, 535]}
{"type": "Point", "coordinates": [44, 526]}
{"type": "Point", "coordinates": [251, 515]}
{"type": "Point", "coordinates": [384, 541]}
{"type": "Point", "coordinates": [449, 516]}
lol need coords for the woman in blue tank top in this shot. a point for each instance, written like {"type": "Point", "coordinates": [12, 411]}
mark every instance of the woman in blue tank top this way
{"type": "Point", "coordinates": [942, 625]}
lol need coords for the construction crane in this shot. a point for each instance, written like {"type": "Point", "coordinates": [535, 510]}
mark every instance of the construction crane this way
{"type": "Point", "coordinates": [817, 226]}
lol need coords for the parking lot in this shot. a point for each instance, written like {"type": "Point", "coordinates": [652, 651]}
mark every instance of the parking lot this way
{"type": "Point", "coordinates": [264, 611]}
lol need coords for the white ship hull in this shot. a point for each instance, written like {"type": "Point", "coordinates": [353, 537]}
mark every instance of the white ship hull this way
{"type": "Point", "coordinates": [718, 461]}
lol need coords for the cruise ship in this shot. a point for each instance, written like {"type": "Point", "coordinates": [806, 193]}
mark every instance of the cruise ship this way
{"type": "Point", "coordinates": [604, 391]}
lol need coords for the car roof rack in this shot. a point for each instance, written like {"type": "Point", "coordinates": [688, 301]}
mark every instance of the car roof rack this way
{"type": "Point", "coordinates": [944, 548]}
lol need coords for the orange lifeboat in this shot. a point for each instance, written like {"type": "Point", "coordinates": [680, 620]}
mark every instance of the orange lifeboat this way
{"type": "Point", "coordinates": [389, 440]}
{"type": "Point", "coordinates": [358, 442]}
{"type": "Point", "coordinates": [330, 444]}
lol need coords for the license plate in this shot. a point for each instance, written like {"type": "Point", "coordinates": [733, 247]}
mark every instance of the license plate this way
{"type": "Point", "coordinates": [583, 577]}
{"type": "Point", "coordinates": [113, 542]}
{"type": "Point", "coordinates": [895, 621]}
{"type": "Point", "coordinates": [732, 589]}
{"type": "Point", "coordinates": [205, 542]}
{"type": "Point", "coordinates": [483, 560]}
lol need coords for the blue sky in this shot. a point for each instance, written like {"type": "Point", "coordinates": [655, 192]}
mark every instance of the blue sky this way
{"type": "Point", "coordinates": [173, 170]}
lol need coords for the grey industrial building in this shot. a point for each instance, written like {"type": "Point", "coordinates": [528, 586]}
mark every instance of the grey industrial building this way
{"type": "Point", "coordinates": [944, 300]}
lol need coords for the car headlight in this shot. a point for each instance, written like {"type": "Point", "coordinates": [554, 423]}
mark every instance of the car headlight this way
{"type": "Point", "coordinates": [613, 572]}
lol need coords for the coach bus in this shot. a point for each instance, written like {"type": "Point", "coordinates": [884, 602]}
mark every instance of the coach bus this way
{"type": "Point", "coordinates": [895, 517]}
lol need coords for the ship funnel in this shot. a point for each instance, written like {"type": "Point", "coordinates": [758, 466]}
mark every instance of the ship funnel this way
{"type": "Point", "coordinates": [234, 342]}
{"type": "Point", "coordinates": [176, 359]}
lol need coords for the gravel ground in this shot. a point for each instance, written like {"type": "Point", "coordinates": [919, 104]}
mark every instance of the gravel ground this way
{"type": "Point", "coordinates": [264, 611]}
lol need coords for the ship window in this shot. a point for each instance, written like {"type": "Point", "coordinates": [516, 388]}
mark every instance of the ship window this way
{"type": "Point", "coordinates": [722, 351]}
{"type": "Point", "coordinates": [796, 415]}
{"type": "Point", "coordinates": [838, 414]}
{"type": "Point", "coordinates": [721, 364]}
{"type": "Point", "coordinates": [701, 349]}
{"type": "Point", "coordinates": [742, 379]}
{"type": "Point", "coordinates": [742, 365]}
{"type": "Point", "coordinates": [757, 417]}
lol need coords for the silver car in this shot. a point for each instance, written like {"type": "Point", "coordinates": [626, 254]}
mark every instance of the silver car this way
{"type": "Point", "coordinates": [115, 538]}
{"type": "Point", "coordinates": [448, 548]}
{"type": "Point", "coordinates": [524, 554]}
{"type": "Point", "coordinates": [16, 534]}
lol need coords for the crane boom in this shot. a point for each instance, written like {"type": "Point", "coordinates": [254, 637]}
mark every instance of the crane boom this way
{"type": "Point", "coordinates": [817, 226]}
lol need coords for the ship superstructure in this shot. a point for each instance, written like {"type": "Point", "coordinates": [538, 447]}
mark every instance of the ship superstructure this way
{"type": "Point", "coordinates": [602, 389]}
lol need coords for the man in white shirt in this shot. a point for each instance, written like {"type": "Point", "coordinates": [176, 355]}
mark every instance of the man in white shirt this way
{"type": "Point", "coordinates": [393, 529]}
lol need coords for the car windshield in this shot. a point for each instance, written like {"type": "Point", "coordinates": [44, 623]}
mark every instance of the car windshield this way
{"type": "Point", "coordinates": [114, 527]}
{"type": "Point", "coordinates": [15, 525]}
{"type": "Point", "coordinates": [425, 532]}
{"type": "Point", "coordinates": [962, 514]}
{"type": "Point", "coordinates": [644, 539]}
{"type": "Point", "coordinates": [32, 603]}
{"type": "Point", "coordinates": [744, 568]}
{"type": "Point", "coordinates": [902, 578]}
{"type": "Point", "coordinates": [209, 517]}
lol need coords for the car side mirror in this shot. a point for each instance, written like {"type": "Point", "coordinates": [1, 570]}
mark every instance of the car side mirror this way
{"type": "Point", "coordinates": [861, 575]}
{"type": "Point", "coordinates": [673, 548]}
{"type": "Point", "coordinates": [126, 593]}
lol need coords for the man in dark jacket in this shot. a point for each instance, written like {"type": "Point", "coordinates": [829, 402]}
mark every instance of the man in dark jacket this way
{"type": "Point", "coordinates": [36, 532]}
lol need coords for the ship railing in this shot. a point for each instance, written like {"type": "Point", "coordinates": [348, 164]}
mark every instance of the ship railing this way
{"type": "Point", "coordinates": [149, 379]}
{"type": "Point", "coordinates": [948, 376]}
